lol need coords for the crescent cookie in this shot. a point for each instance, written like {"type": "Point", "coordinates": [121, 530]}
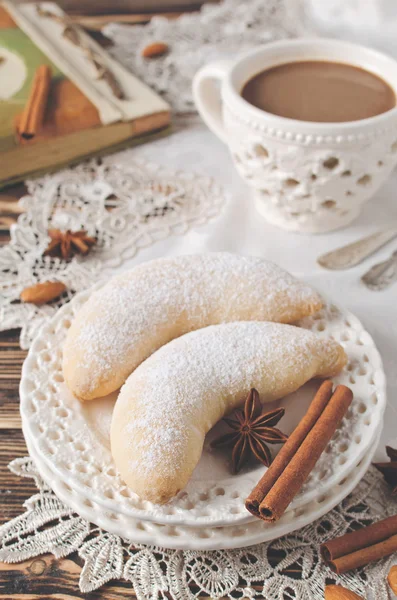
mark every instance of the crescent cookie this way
{"type": "Point", "coordinates": [137, 312]}
{"type": "Point", "coordinates": [171, 401]}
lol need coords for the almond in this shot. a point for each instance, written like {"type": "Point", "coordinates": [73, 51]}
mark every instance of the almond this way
{"type": "Point", "coordinates": [392, 579]}
{"type": "Point", "coordinates": [40, 293]}
{"type": "Point", "coordinates": [337, 592]}
{"type": "Point", "coordinates": [154, 50]}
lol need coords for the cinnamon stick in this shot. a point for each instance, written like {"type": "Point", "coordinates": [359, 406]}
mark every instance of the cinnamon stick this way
{"type": "Point", "coordinates": [295, 473]}
{"type": "Point", "coordinates": [31, 120]}
{"type": "Point", "coordinates": [290, 447]}
{"type": "Point", "coordinates": [361, 547]}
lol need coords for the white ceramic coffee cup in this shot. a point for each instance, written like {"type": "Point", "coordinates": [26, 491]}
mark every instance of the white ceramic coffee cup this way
{"type": "Point", "coordinates": [306, 176]}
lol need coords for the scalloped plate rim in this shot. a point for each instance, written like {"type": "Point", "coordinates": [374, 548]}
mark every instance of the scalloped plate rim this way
{"type": "Point", "coordinates": [160, 536]}
{"type": "Point", "coordinates": [184, 519]}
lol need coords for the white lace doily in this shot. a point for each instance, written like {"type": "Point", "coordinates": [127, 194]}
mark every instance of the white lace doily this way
{"type": "Point", "coordinates": [220, 31]}
{"type": "Point", "coordinates": [127, 204]}
{"type": "Point", "coordinates": [289, 567]}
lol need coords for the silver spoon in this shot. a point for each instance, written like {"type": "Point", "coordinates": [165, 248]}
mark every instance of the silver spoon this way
{"type": "Point", "coordinates": [381, 275]}
{"type": "Point", "coordinates": [353, 254]}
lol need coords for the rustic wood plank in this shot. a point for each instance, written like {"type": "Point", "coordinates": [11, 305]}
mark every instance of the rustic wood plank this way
{"type": "Point", "coordinates": [9, 205]}
{"type": "Point", "coordinates": [9, 198]}
{"type": "Point", "coordinates": [11, 421]}
{"type": "Point", "coordinates": [47, 577]}
{"type": "Point", "coordinates": [13, 490]}
{"type": "Point", "coordinates": [11, 360]}
{"type": "Point", "coordinates": [10, 210]}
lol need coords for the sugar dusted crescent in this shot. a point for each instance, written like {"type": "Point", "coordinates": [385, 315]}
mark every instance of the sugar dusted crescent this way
{"type": "Point", "coordinates": [137, 312]}
{"type": "Point", "coordinates": [172, 400]}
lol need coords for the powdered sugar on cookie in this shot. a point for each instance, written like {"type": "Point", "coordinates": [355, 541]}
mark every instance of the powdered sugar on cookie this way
{"type": "Point", "coordinates": [171, 401]}
{"type": "Point", "coordinates": [137, 312]}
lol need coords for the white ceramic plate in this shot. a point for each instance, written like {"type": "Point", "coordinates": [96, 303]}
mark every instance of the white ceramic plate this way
{"type": "Point", "coordinates": [72, 439]}
{"type": "Point", "coordinates": [207, 538]}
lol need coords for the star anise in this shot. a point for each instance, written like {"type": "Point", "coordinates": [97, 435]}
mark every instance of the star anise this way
{"type": "Point", "coordinates": [389, 469]}
{"type": "Point", "coordinates": [251, 432]}
{"type": "Point", "coordinates": [65, 244]}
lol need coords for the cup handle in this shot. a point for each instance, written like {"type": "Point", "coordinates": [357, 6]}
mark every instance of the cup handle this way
{"type": "Point", "coordinates": [207, 95]}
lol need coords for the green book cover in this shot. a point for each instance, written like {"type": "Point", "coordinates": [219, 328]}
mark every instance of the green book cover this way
{"type": "Point", "coordinates": [19, 59]}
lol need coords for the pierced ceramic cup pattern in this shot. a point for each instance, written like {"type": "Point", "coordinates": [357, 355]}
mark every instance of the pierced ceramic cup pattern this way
{"type": "Point", "coordinates": [306, 176]}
